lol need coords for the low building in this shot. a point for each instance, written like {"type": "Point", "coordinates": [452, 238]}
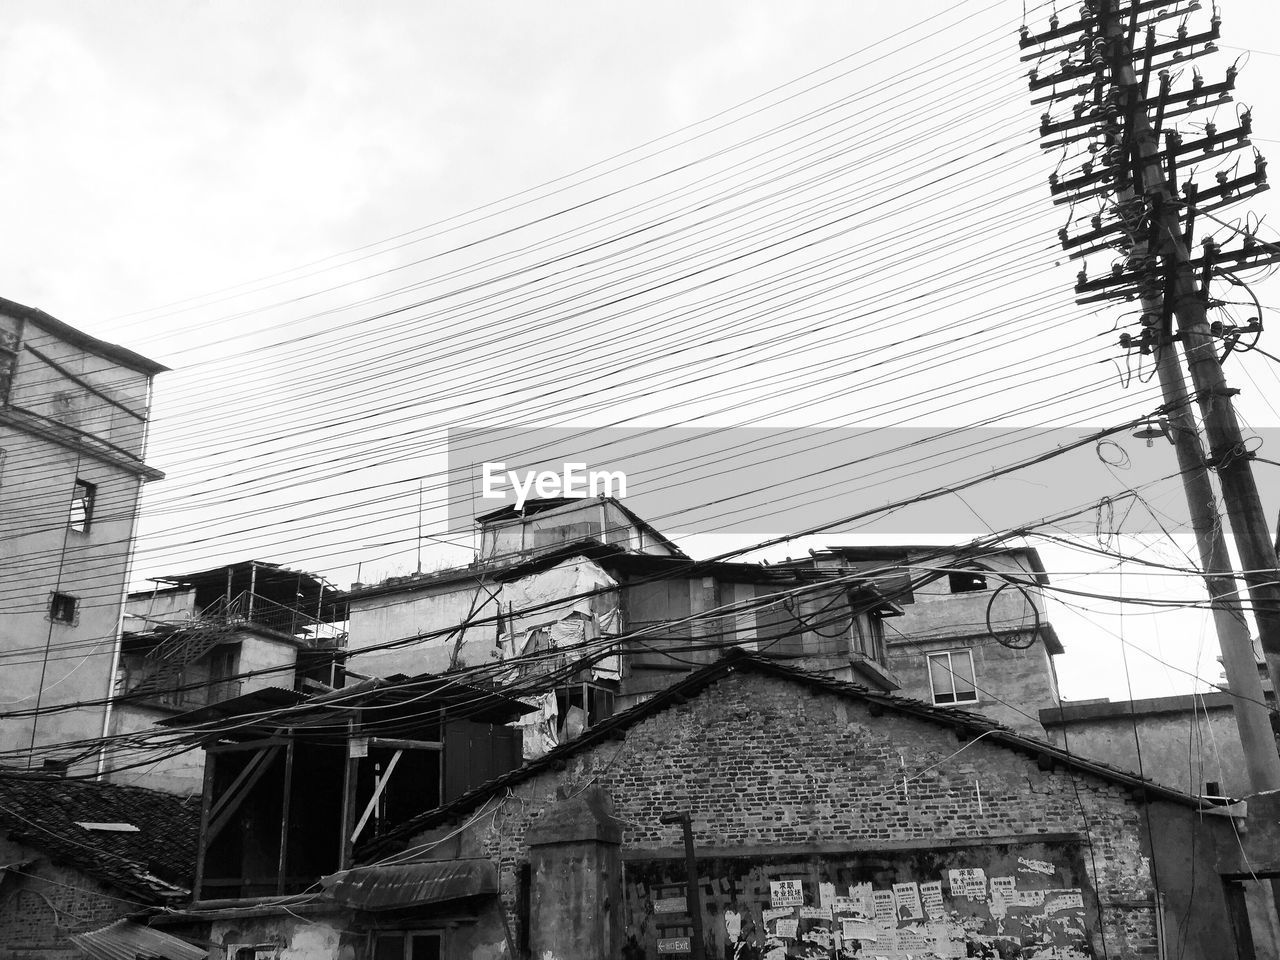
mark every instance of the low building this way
{"type": "Point", "coordinates": [827, 820]}
{"type": "Point", "coordinates": [75, 856]}
{"type": "Point", "coordinates": [73, 427]}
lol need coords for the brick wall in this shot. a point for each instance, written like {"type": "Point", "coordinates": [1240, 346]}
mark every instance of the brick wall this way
{"type": "Point", "coordinates": [766, 763]}
{"type": "Point", "coordinates": [44, 904]}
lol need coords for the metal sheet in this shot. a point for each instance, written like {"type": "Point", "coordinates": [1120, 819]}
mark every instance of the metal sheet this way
{"type": "Point", "coordinates": [410, 884]}
{"type": "Point", "coordinates": [126, 940]}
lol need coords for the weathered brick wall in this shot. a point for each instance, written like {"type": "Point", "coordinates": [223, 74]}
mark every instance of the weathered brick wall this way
{"type": "Point", "coordinates": [764, 762]}
{"type": "Point", "coordinates": [44, 904]}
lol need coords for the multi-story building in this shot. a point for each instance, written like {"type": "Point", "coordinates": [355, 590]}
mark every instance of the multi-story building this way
{"type": "Point", "coordinates": [974, 632]}
{"type": "Point", "coordinates": [203, 638]}
{"type": "Point", "coordinates": [555, 581]}
{"type": "Point", "coordinates": [73, 429]}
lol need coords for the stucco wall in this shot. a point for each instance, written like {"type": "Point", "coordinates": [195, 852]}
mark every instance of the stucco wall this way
{"type": "Point", "coordinates": [764, 764]}
{"type": "Point", "coordinates": [39, 553]}
{"type": "Point", "coordinates": [1012, 685]}
{"type": "Point", "coordinates": [375, 620]}
{"type": "Point", "coordinates": [1182, 750]}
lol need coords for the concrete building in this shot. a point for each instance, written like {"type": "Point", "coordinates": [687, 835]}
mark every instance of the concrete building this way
{"type": "Point", "coordinates": [562, 578]}
{"type": "Point", "coordinates": [974, 631]}
{"type": "Point", "coordinates": [73, 428]}
{"type": "Point", "coordinates": [201, 638]}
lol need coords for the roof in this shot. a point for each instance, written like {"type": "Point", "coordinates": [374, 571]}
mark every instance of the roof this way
{"type": "Point", "coordinates": [126, 940]}
{"type": "Point", "coordinates": [533, 507]}
{"type": "Point", "coordinates": [307, 592]}
{"type": "Point", "coordinates": [389, 887]}
{"type": "Point", "coordinates": [615, 559]}
{"type": "Point", "coordinates": [402, 703]}
{"type": "Point", "coordinates": [906, 551]}
{"type": "Point", "coordinates": [1126, 709]}
{"type": "Point", "coordinates": [694, 684]}
{"type": "Point", "coordinates": [68, 333]}
{"type": "Point", "coordinates": [153, 864]}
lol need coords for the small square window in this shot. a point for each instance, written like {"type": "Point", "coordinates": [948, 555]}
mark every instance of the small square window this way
{"type": "Point", "coordinates": [966, 581]}
{"type": "Point", "coordinates": [951, 677]}
{"type": "Point", "coordinates": [63, 608]}
{"type": "Point", "coordinates": [82, 500]}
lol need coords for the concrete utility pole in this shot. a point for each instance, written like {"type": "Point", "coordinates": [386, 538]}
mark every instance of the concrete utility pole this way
{"type": "Point", "coordinates": [1153, 227]}
{"type": "Point", "coordinates": [1252, 716]}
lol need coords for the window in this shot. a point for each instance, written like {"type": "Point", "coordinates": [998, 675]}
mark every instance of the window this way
{"type": "Point", "coordinates": [951, 677]}
{"type": "Point", "coordinates": [581, 705]}
{"type": "Point", "coordinates": [82, 498]}
{"type": "Point", "coordinates": [967, 581]}
{"type": "Point", "coordinates": [409, 945]}
{"type": "Point", "coordinates": [62, 608]}
{"type": "Point", "coordinates": [9, 344]}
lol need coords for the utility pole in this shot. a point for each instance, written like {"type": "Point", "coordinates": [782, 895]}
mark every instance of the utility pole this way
{"type": "Point", "coordinates": [1150, 228]}
{"type": "Point", "coordinates": [693, 902]}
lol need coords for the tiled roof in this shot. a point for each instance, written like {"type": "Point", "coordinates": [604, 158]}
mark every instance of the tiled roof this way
{"type": "Point", "coordinates": [968, 725]}
{"type": "Point", "coordinates": [154, 863]}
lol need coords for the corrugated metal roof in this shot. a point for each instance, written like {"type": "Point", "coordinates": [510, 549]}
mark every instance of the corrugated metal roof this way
{"type": "Point", "coordinates": [389, 887]}
{"type": "Point", "coordinates": [126, 940]}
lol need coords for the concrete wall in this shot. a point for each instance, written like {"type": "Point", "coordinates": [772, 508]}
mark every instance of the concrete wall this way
{"type": "Point", "coordinates": [1012, 685]}
{"type": "Point", "coordinates": [379, 619]}
{"type": "Point", "coordinates": [40, 554]}
{"type": "Point", "coordinates": [768, 767]}
{"type": "Point", "coordinates": [42, 904]}
{"type": "Point", "coordinates": [1183, 749]}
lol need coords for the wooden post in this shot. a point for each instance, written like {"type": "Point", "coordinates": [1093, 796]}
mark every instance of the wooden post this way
{"type": "Point", "coordinates": [283, 862]}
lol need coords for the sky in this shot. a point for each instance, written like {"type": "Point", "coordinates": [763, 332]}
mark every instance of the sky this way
{"type": "Point", "coordinates": [360, 234]}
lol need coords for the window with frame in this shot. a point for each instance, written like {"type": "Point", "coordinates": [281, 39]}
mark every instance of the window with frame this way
{"type": "Point", "coordinates": [83, 496]}
{"type": "Point", "coordinates": [951, 677]}
{"type": "Point", "coordinates": [63, 608]}
{"type": "Point", "coordinates": [408, 945]}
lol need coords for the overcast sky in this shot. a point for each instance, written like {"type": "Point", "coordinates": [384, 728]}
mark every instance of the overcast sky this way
{"type": "Point", "coordinates": [160, 159]}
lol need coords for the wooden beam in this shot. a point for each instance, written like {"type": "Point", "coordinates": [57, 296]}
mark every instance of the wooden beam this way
{"type": "Point", "coordinates": [377, 792]}
{"type": "Point", "coordinates": [232, 804]}
{"type": "Point", "coordinates": [392, 744]}
{"type": "Point", "coordinates": [202, 840]}
{"type": "Point", "coordinates": [284, 818]}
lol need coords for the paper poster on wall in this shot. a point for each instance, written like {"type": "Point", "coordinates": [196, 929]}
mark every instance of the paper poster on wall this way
{"type": "Point", "coordinates": [907, 898]}
{"type": "Point", "coordinates": [1027, 865]}
{"type": "Point", "coordinates": [862, 903]}
{"type": "Point", "coordinates": [777, 913]}
{"type": "Point", "coordinates": [1003, 895]}
{"type": "Point", "coordinates": [786, 893]}
{"type": "Point", "coordinates": [826, 895]}
{"type": "Point", "coordinates": [931, 899]}
{"type": "Point", "coordinates": [1059, 900]}
{"type": "Point", "coordinates": [670, 905]}
{"type": "Point", "coordinates": [815, 913]}
{"type": "Point", "coordinates": [733, 925]}
{"type": "Point", "coordinates": [786, 929]}
{"type": "Point", "coordinates": [970, 883]}
{"type": "Point", "coordinates": [819, 935]}
{"type": "Point", "coordinates": [852, 928]}
{"type": "Point", "coordinates": [886, 911]}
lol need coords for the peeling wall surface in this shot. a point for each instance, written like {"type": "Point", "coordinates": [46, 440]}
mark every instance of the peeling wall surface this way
{"type": "Point", "coordinates": [809, 780]}
{"type": "Point", "coordinates": [944, 903]}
